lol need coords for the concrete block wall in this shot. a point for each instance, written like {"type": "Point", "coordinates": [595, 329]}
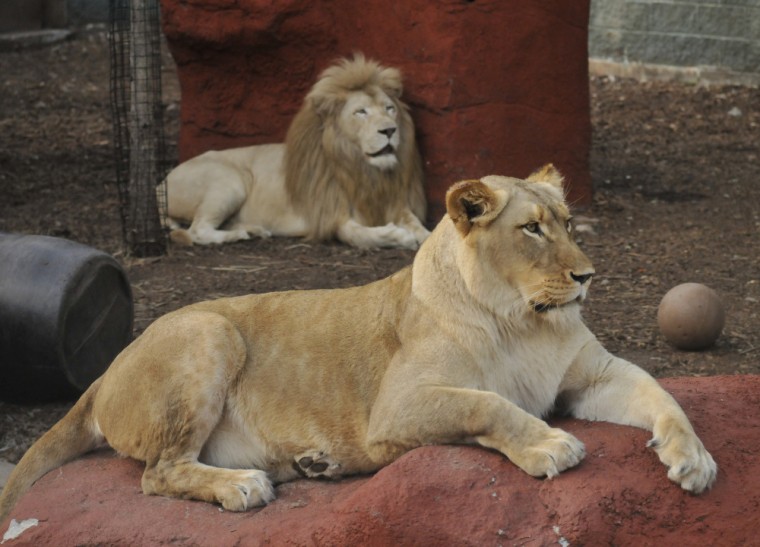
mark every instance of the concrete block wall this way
{"type": "Point", "coordinates": [86, 11]}
{"type": "Point", "coordinates": [28, 15]}
{"type": "Point", "coordinates": [724, 34]}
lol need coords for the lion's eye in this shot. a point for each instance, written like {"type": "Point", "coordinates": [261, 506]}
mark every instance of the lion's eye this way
{"type": "Point", "coordinates": [361, 113]}
{"type": "Point", "coordinates": [390, 109]}
{"type": "Point", "coordinates": [533, 228]}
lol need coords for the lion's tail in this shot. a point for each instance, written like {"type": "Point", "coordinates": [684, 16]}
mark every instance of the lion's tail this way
{"type": "Point", "coordinates": [177, 234]}
{"type": "Point", "coordinates": [73, 436]}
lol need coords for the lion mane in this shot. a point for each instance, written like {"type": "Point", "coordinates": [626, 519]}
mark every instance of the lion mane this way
{"type": "Point", "coordinates": [325, 174]}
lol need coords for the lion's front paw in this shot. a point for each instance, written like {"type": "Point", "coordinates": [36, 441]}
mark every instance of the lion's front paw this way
{"type": "Point", "coordinates": [401, 237]}
{"type": "Point", "coordinates": [689, 464]}
{"type": "Point", "coordinates": [246, 489]}
{"type": "Point", "coordinates": [556, 451]}
{"type": "Point", "coordinates": [420, 235]}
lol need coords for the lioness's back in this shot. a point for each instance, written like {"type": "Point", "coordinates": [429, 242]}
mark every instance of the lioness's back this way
{"type": "Point", "coordinates": [319, 335]}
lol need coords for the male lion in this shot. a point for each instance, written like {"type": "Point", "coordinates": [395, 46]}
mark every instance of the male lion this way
{"type": "Point", "coordinates": [349, 168]}
{"type": "Point", "coordinates": [473, 343]}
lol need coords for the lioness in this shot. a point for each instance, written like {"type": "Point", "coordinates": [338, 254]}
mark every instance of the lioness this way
{"type": "Point", "coordinates": [474, 343]}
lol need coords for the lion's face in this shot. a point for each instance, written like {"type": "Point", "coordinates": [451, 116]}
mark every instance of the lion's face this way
{"type": "Point", "coordinates": [351, 151]}
{"type": "Point", "coordinates": [371, 122]}
{"type": "Point", "coordinates": [522, 235]}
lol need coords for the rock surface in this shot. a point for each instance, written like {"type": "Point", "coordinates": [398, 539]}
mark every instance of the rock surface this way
{"type": "Point", "coordinates": [494, 87]}
{"type": "Point", "coordinates": [444, 495]}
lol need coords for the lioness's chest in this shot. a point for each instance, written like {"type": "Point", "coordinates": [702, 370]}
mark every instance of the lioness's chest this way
{"type": "Point", "coordinates": [528, 373]}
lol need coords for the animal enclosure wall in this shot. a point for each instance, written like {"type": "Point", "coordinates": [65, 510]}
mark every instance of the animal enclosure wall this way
{"type": "Point", "coordinates": [495, 87]}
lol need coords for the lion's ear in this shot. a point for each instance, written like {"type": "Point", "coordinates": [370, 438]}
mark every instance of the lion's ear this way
{"type": "Point", "coordinates": [472, 202]}
{"type": "Point", "coordinates": [549, 174]}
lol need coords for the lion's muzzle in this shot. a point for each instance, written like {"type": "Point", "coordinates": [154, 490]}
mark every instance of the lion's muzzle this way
{"type": "Point", "coordinates": [384, 151]}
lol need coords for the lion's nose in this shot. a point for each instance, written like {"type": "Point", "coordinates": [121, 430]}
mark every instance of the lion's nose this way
{"type": "Point", "coordinates": [581, 278]}
{"type": "Point", "coordinates": [387, 132]}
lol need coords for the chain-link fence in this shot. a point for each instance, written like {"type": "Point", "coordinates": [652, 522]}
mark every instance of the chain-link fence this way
{"type": "Point", "coordinates": [140, 151]}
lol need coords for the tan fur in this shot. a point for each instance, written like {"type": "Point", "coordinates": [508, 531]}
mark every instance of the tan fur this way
{"type": "Point", "coordinates": [476, 342]}
{"type": "Point", "coordinates": [349, 169]}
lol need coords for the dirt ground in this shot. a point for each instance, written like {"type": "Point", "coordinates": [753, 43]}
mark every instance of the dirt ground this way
{"type": "Point", "coordinates": [677, 198]}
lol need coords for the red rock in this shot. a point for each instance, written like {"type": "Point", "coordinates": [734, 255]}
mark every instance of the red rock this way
{"type": "Point", "coordinates": [444, 495]}
{"type": "Point", "coordinates": [495, 87]}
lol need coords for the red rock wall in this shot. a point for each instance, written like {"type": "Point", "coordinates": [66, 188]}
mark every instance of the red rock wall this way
{"type": "Point", "coordinates": [495, 86]}
{"type": "Point", "coordinates": [444, 495]}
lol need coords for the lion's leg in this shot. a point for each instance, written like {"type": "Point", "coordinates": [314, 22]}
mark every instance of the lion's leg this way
{"type": "Point", "coordinates": [440, 415]}
{"type": "Point", "coordinates": [222, 198]}
{"type": "Point", "coordinates": [217, 206]}
{"type": "Point", "coordinates": [234, 489]}
{"type": "Point", "coordinates": [189, 422]}
{"type": "Point", "coordinates": [164, 396]}
{"type": "Point", "coordinates": [204, 233]}
{"type": "Point", "coordinates": [254, 230]}
{"type": "Point", "coordinates": [600, 386]}
{"type": "Point", "coordinates": [368, 237]}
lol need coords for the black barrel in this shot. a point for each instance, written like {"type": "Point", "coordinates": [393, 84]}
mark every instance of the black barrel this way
{"type": "Point", "coordinates": [65, 312]}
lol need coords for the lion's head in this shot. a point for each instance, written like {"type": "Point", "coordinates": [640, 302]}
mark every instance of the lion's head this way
{"type": "Point", "coordinates": [351, 149]}
{"type": "Point", "coordinates": [518, 254]}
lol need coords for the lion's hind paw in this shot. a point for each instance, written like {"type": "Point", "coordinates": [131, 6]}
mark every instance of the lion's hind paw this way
{"type": "Point", "coordinates": [316, 464]}
{"type": "Point", "coordinates": [258, 231]}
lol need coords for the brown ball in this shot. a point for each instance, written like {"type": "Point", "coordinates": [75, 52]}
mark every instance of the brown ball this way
{"type": "Point", "coordinates": [691, 316]}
